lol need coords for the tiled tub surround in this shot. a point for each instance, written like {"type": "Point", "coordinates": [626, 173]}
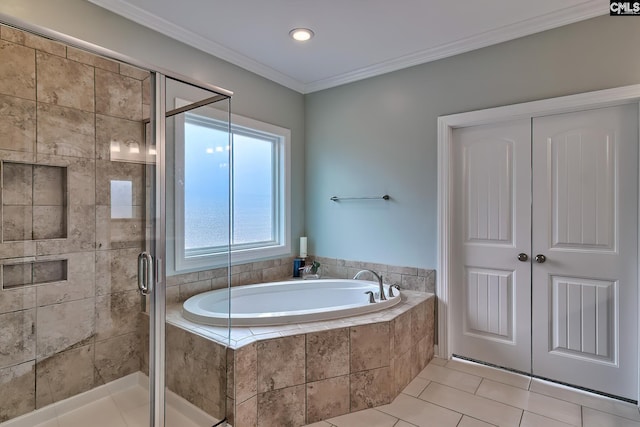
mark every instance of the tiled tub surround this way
{"type": "Point", "coordinates": [205, 394]}
{"type": "Point", "coordinates": [182, 286]}
{"type": "Point", "coordinates": [68, 299]}
{"type": "Point", "coordinates": [408, 278]}
{"type": "Point", "coordinates": [296, 374]}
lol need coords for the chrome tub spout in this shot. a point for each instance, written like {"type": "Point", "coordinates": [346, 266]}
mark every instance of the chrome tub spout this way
{"type": "Point", "coordinates": [379, 277]}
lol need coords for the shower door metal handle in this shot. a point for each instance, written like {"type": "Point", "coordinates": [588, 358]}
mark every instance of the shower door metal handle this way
{"type": "Point", "coordinates": [145, 273]}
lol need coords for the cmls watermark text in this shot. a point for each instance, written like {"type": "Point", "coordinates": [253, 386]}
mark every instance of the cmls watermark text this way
{"type": "Point", "coordinates": [622, 8]}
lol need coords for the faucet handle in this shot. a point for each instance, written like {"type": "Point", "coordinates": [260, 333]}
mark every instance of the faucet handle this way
{"type": "Point", "coordinates": [391, 295]}
{"type": "Point", "coordinates": [372, 299]}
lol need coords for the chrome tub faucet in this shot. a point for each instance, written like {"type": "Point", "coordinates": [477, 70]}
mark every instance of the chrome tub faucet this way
{"type": "Point", "coordinates": [379, 277]}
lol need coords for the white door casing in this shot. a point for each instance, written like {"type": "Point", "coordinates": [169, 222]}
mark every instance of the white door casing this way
{"type": "Point", "coordinates": [585, 219]}
{"type": "Point", "coordinates": [447, 259]}
{"type": "Point", "coordinates": [491, 215]}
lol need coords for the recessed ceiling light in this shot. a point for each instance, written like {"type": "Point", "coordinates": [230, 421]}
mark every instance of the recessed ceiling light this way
{"type": "Point", "coordinates": [301, 34]}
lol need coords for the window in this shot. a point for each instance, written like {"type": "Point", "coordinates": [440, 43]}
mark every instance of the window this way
{"type": "Point", "coordinates": [256, 161]}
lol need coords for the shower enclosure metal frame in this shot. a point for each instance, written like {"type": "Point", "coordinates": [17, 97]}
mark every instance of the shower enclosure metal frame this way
{"type": "Point", "coordinates": [157, 309]}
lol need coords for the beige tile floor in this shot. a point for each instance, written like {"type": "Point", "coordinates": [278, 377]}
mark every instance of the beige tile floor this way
{"type": "Point", "coordinates": [460, 394]}
{"type": "Point", "coordinates": [445, 394]}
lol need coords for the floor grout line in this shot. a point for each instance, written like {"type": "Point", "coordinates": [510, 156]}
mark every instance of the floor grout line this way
{"type": "Point", "coordinates": [570, 412]}
{"type": "Point", "coordinates": [542, 393]}
{"type": "Point", "coordinates": [587, 406]}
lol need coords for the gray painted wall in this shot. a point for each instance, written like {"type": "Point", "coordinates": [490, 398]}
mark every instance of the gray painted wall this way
{"type": "Point", "coordinates": [379, 135]}
{"type": "Point", "coordinates": [254, 96]}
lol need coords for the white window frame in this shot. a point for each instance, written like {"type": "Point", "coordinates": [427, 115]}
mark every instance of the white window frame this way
{"type": "Point", "coordinates": [240, 253]}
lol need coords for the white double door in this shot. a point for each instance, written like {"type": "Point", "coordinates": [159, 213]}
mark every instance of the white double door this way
{"type": "Point", "coordinates": [545, 247]}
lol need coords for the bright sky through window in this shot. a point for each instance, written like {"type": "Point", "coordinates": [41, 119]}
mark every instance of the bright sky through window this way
{"type": "Point", "coordinates": [207, 188]}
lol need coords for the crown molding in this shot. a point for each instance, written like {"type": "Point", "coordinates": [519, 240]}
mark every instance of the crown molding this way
{"type": "Point", "coordinates": [187, 37]}
{"type": "Point", "coordinates": [586, 10]}
{"type": "Point", "coordinates": [566, 16]}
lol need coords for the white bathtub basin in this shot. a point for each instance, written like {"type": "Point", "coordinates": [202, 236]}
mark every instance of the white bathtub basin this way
{"type": "Point", "coordinates": [286, 302]}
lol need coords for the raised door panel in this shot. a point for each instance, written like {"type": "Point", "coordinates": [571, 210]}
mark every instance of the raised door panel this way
{"type": "Point", "coordinates": [492, 224]}
{"type": "Point", "coordinates": [583, 318]}
{"type": "Point", "coordinates": [488, 301]}
{"type": "Point", "coordinates": [488, 191]}
{"type": "Point", "coordinates": [583, 180]}
{"type": "Point", "coordinates": [585, 216]}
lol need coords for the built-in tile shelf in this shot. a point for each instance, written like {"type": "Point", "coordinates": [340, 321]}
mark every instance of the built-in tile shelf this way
{"type": "Point", "coordinates": [34, 202]}
{"type": "Point", "coordinates": [15, 275]}
{"type": "Point", "coordinates": [34, 207]}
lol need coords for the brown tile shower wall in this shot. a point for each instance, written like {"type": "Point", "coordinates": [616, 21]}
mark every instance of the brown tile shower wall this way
{"type": "Point", "coordinates": [68, 299]}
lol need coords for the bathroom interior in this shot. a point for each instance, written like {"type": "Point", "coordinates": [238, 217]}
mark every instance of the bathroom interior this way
{"type": "Point", "coordinates": [86, 189]}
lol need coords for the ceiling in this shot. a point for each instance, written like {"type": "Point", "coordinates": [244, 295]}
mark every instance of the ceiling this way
{"type": "Point", "coordinates": [354, 39]}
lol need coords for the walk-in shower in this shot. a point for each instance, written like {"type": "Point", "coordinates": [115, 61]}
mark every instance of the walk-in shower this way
{"type": "Point", "coordinates": [88, 163]}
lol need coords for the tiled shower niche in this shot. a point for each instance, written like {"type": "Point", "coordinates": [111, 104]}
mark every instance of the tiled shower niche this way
{"type": "Point", "coordinates": [33, 273]}
{"type": "Point", "coordinates": [34, 202]}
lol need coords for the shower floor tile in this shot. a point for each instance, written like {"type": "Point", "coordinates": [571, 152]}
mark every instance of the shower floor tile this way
{"type": "Point", "coordinates": [123, 403]}
{"type": "Point", "coordinates": [101, 413]}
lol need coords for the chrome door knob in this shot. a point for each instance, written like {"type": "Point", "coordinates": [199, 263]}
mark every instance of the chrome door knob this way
{"type": "Point", "coordinates": [523, 257]}
{"type": "Point", "coordinates": [540, 258]}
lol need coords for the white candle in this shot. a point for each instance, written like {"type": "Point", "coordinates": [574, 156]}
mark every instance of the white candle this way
{"type": "Point", "coordinates": [303, 247]}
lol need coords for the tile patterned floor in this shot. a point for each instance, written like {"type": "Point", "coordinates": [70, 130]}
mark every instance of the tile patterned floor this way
{"type": "Point", "coordinates": [460, 394]}
{"type": "Point", "coordinates": [445, 394]}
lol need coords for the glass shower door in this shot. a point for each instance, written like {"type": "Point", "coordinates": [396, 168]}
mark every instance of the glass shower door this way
{"type": "Point", "coordinates": [188, 221]}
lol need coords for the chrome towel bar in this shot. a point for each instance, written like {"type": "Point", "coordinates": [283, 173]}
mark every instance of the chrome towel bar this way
{"type": "Point", "coordinates": [337, 199]}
